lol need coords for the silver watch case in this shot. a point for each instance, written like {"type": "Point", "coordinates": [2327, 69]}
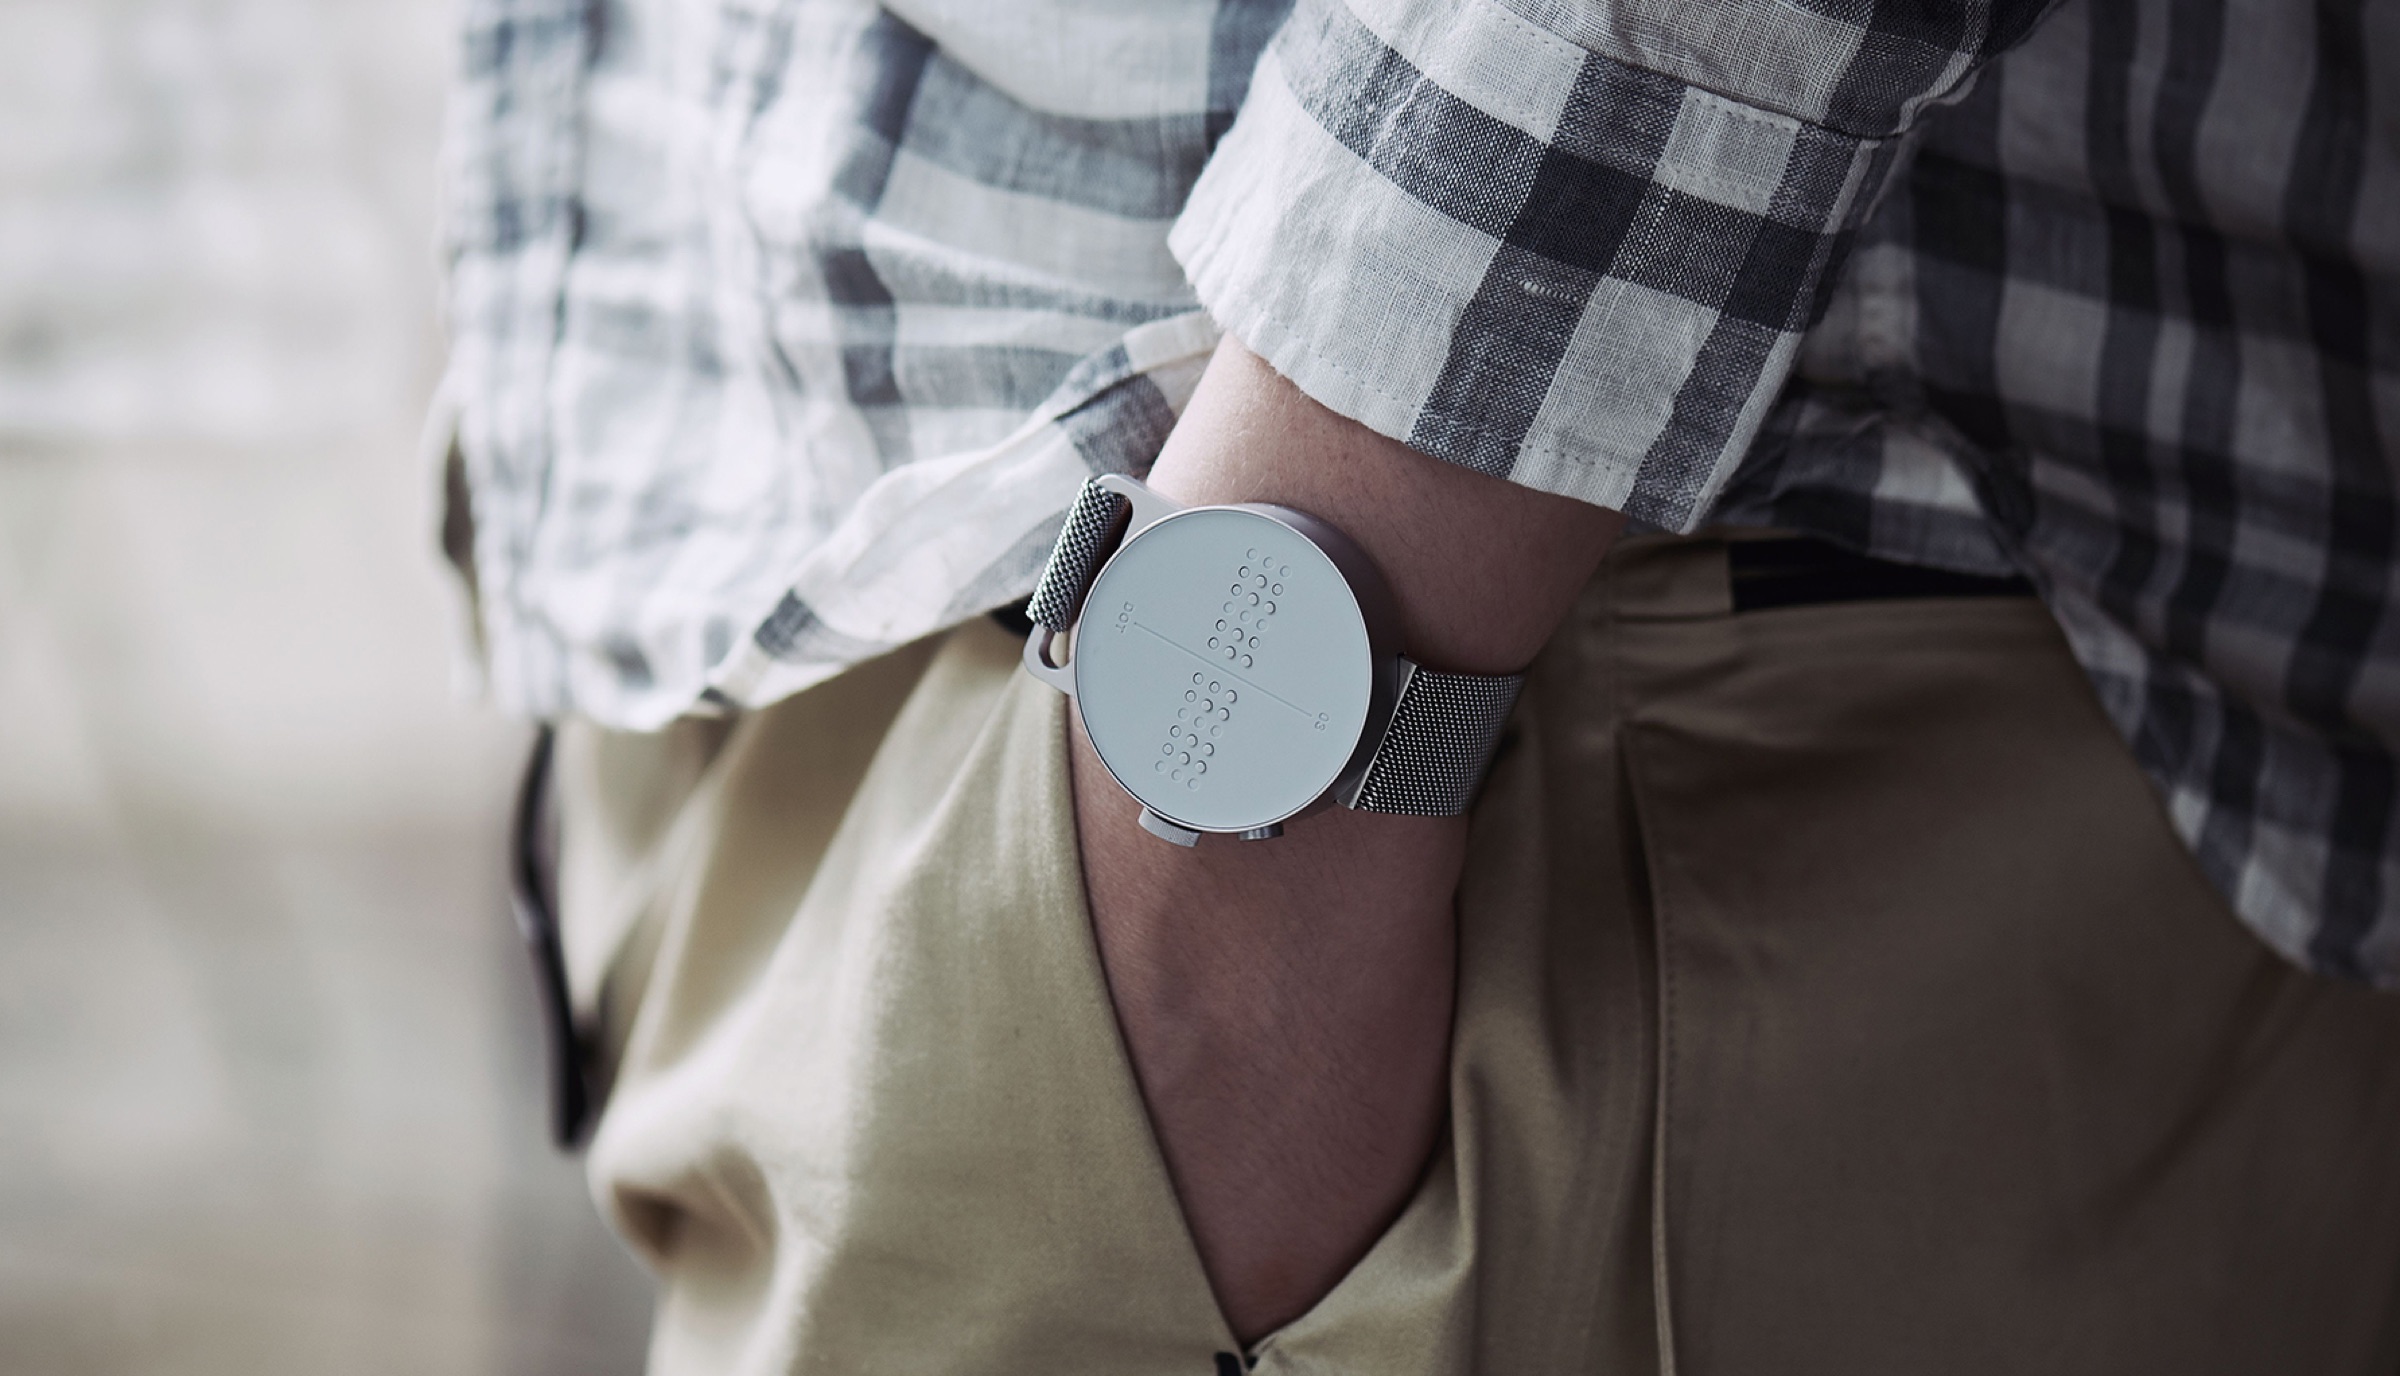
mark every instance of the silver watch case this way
{"type": "Point", "coordinates": [1329, 637]}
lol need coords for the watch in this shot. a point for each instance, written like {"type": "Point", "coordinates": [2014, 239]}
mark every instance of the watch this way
{"type": "Point", "coordinates": [1237, 666]}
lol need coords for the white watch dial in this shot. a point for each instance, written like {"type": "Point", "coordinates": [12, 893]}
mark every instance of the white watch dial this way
{"type": "Point", "coordinates": [1223, 670]}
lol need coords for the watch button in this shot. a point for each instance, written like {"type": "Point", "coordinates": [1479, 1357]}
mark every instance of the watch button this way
{"type": "Point", "coordinates": [1266, 833]}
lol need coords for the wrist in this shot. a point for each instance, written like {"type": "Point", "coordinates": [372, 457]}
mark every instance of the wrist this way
{"type": "Point", "coordinates": [1482, 569]}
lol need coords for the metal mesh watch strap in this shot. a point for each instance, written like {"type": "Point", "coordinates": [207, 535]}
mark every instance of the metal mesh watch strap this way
{"type": "Point", "coordinates": [1083, 543]}
{"type": "Point", "coordinates": [1443, 732]}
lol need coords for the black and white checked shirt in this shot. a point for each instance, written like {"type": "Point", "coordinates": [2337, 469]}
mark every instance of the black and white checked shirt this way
{"type": "Point", "coordinates": [785, 330]}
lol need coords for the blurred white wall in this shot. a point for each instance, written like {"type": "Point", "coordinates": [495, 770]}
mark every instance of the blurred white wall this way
{"type": "Point", "coordinates": [268, 1095]}
{"type": "Point", "coordinates": [217, 330]}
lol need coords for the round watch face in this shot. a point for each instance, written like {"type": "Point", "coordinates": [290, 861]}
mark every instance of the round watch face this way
{"type": "Point", "coordinates": [1222, 668]}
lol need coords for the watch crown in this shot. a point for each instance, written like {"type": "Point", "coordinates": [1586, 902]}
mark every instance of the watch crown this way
{"type": "Point", "coordinates": [1266, 833]}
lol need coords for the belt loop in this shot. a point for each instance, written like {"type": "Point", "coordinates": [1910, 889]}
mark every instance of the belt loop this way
{"type": "Point", "coordinates": [1660, 577]}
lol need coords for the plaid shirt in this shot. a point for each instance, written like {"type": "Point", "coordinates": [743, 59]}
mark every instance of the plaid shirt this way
{"type": "Point", "coordinates": [785, 330]}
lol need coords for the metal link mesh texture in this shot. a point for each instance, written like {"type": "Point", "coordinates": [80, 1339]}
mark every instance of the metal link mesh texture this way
{"type": "Point", "coordinates": [1444, 730]}
{"type": "Point", "coordinates": [1082, 544]}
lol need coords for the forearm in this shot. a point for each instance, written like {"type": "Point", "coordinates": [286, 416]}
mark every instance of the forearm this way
{"type": "Point", "coordinates": [1483, 569]}
{"type": "Point", "coordinates": [1287, 1003]}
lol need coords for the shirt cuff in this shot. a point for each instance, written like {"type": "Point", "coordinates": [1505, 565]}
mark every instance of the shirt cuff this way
{"type": "Point", "coordinates": [1510, 251]}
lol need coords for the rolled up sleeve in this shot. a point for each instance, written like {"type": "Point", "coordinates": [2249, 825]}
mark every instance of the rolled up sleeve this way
{"type": "Point", "coordinates": [1570, 244]}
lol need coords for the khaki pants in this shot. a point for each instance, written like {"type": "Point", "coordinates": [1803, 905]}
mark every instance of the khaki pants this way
{"type": "Point", "coordinates": [1833, 998]}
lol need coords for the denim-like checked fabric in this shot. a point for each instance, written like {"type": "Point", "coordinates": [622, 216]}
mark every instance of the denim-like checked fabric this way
{"type": "Point", "coordinates": [786, 330]}
{"type": "Point", "coordinates": [783, 331]}
{"type": "Point", "coordinates": [2129, 324]}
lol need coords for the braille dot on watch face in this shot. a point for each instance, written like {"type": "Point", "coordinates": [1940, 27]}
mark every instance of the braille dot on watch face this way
{"type": "Point", "coordinates": [1229, 652]}
{"type": "Point", "coordinates": [1190, 694]}
{"type": "Point", "coordinates": [1248, 662]}
{"type": "Point", "coordinates": [1207, 749]}
{"type": "Point", "coordinates": [1232, 697]}
{"type": "Point", "coordinates": [1213, 685]}
{"type": "Point", "coordinates": [1277, 590]}
{"type": "Point", "coordinates": [1270, 609]}
{"type": "Point", "coordinates": [1212, 642]}
{"type": "Point", "coordinates": [1159, 765]}
{"type": "Point", "coordinates": [1245, 570]}
{"type": "Point", "coordinates": [1199, 766]}
{"type": "Point", "coordinates": [1254, 599]}
{"type": "Point", "coordinates": [1183, 713]}
{"type": "Point", "coordinates": [1207, 706]}
{"type": "Point", "coordinates": [1174, 773]}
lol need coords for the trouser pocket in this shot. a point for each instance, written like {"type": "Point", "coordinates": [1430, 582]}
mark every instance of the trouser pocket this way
{"type": "Point", "coordinates": [904, 1136]}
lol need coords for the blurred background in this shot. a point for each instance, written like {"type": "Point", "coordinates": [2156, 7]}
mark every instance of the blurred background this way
{"type": "Point", "coordinates": [270, 1096]}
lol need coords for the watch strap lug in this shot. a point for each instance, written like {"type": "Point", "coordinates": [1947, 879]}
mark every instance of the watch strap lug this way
{"type": "Point", "coordinates": [1106, 512]}
{"type": "Point", "coordinates": [1037, 660]}
{"type": "Point", "coordinates": [1165, 830]}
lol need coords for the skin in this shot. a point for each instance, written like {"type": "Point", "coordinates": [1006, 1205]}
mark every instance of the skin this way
{"type": "Point", "coordinates": [1292, 1043]}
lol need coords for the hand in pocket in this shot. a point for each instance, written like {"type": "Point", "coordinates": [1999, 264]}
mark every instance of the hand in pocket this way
{"type": "Point", "coordinates": [1287, 1008]}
